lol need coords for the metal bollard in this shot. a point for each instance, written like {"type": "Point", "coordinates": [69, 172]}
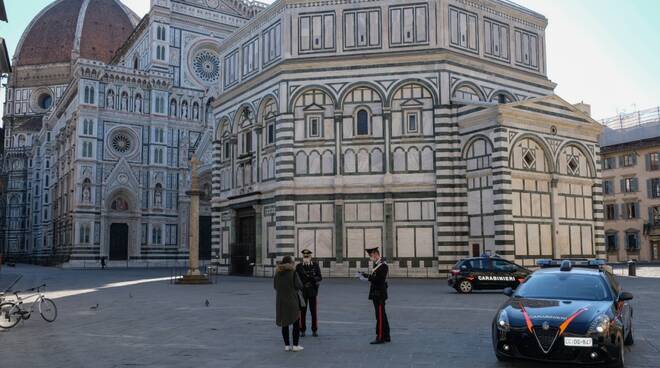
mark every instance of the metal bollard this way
{"type": "Point", "coordinates": [632, 268]}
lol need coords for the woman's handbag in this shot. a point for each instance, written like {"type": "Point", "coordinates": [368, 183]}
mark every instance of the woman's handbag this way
{"type": "Point", "coordinates": [301, 299]}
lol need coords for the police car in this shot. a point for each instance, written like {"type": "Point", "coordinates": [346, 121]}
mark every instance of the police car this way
{"type": "Point", "coordinates": [486, 272]}
{"type": "Point", "coordinates": [569, 312]}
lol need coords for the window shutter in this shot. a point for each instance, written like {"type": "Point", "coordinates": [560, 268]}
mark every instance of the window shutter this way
{"type": "Point", "coordinates": [648, 161]}
{"type": "Point", "coordinates": [635, 185]}
{"type": "Point", "coordinates": [649, 188]}
{"type": "Point", "coordinates": [621, 161]}
{"type": "Point", "coordinates": [637, 210]}
{"type": "Point", "coordinates": [616, 211]}
{"type": "Point", "coordinates": [637, 241]}
{"type": "Point", "coordinates": [623, 185]}
{"type": "Point", "coordinates": [651, 215]}
{"type": "Point", "coordinates": [616, 240]}
{"type": "Point", "coordinates": [634, 158]}
{"type": "Point", "coordinates": [622, 211]}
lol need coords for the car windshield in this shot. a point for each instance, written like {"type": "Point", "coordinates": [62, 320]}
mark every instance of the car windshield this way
{"type": "Point", "coordinates": [564, 285]}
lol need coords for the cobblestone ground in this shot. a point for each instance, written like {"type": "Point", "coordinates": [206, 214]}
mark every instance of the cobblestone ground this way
{"type": "Point", "coordinates": [143, 321]}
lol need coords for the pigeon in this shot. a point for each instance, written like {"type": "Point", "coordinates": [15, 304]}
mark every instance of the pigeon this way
{"type": "Point", "coordinates": [207, 303]}
{"type": "Point", "coordinates": [94, 307]}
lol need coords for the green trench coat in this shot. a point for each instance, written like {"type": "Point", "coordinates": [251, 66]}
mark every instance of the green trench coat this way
{"type": "Point", "coordinates": [286, 283]}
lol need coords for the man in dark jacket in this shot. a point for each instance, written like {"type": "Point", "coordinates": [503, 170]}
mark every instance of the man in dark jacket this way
{"type": "Point", "coordinates": [378, 295]}
{"type": "Point", "coordinates": [310, 275]}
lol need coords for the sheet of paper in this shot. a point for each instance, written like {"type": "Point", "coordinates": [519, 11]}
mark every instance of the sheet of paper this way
{"type": "Point", "coordinates": [360, 276]}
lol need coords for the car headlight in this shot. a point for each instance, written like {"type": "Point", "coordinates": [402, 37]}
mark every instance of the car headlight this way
{"type": "Point", "coordinates": [503, 321]}
{"type": "Point", "coordinates": [600, 325]}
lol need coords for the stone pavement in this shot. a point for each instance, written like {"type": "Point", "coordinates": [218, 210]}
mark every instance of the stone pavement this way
{"type": "Point", "coordinates": [143, 321]}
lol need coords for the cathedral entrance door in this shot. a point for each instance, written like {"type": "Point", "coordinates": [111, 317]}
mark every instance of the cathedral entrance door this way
{"type": "Point", "coordinates": [118, 242]}
{"type": "Point", "coordinates": [244, 251]}
{"type": "Point", "coordinates": [205, 238]}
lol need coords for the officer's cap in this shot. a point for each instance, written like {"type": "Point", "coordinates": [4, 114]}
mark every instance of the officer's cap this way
{"type": "Point", "coordinates": [372, 250]}
{"type": "Point", "coordinates": [306, 252]}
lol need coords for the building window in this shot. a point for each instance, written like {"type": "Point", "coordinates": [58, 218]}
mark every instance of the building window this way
{"type": "Point", "coordinates": [161, 35]}
{"type": "Point", "coordinates": [655, 215]}
{"type": "Point", "coordinates": [170, 234]}
{"type": "Point", "coordinates": [145, 233]}
{"type": "Point", "coordinates": [631, 210]}
{"type": "Point", "coordinates": [629, 185]}
{"type": "Point", "coordinates": [89, 95]}
{"type": "Point", "coordinates": [573, 165]}
{"type": "Point", "coordinates": [608, 187]}
{"type": "Point", "coordinates": [160, 52]}
{"type": "Point", "coordinates": [247, 142]}
{"type": "Point", "coordinates": [611, 241]}
{"type": "Point", "coordinates": [313, 127]}
{"type": "Point", "coordinates": [85, 231]}
{"type": "Point", "coordinates": [158, 156]}
{"type": "Point", "coordinates": [632, 240]}
{"type": "Point", "coordinates": [156, 235]}
{"type": "Point", "coordinates": [609, 163]}
{"type": "Point", "coordinates": [610, 212]}
{"type": "Point", "coordinates": [227, 150]}
{"type": "Point", "coordinates": [463, 29]}
{"type": "Point", "coordinates": [362, 126]}
{"type": "Point", "coordinates": [628, 160]}
{"type": "Point", "coordinates": [362, 28]}
{"type": "Point", "coordinates": [529, 158]}
{"type": "Point", "coordinates": [270, 133]}
{"type": "Point", "coordinates": [159, 135]}
{"type": "Point", "coordinates": [654, 188]}
{"type": "Point", "coordinates": [653, 161]}
{"type": "Point", "coordinates": [87, 149]}
{"type": "Point", "coordinates": [412, 122]}
{"type": "Point", "coordinates": [88, 127]}
{"type": "Point", "coordinates": [272, 43]}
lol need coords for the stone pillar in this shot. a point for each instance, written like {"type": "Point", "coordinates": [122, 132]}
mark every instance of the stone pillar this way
{"type": "Point", "coordinates": [554, 204]}
{"type": "Point", "coordinates": [193, 276]}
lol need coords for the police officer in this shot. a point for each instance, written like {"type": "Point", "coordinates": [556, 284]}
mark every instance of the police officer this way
{"type": "Point", "coordinates": [310, 275]}
{"type": "Point", "coordinates": [378, 294]}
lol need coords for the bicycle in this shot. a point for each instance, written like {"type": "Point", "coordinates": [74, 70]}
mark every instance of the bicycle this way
{"type": "Point", "coordinates": [12, 312]}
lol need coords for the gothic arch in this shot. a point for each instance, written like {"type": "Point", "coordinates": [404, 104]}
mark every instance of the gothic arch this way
{"type": "Point", "coordinates": [498, 92]}
{"type": "Point", "coordinates": [472, 140]}
{"type": "Point", "coordinates": [473, 86]}
{"type": "Point", "coordinates": [261, 118]}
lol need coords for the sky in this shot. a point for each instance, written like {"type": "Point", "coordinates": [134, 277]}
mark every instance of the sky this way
{"type": "Point", "coordinates": [603, 52]}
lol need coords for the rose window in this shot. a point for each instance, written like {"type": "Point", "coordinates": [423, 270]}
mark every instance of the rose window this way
{"type": "Point", "coordinates": [121, 143]}
{"type": "Point", "coordinates": [206, 65]}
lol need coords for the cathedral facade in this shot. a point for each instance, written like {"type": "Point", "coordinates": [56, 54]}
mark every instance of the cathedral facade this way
{"type": "Point", "coordinates": [102, 114]}
{"type": "Point", "coordinates": [427, 128]}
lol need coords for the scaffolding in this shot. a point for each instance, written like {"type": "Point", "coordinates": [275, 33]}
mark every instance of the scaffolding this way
{"type": "Point", "coordinates": [633, 119]}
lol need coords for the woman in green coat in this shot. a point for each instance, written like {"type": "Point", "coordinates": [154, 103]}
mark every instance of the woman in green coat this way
{"type": "Point", "coordinates": [287, 307]}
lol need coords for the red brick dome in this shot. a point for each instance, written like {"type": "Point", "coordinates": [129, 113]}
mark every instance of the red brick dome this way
{"type": "Point", "coordinates": [92, 29]}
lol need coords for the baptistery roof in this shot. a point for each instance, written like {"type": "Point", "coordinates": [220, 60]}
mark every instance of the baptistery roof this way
{"type": "Point", "coordinates": [67, 29]}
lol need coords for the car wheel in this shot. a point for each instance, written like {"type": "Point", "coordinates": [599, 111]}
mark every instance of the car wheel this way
{"type": "Point", "coordinates": [465, 287]}
{"type": "Point", "coordinates": [621, 359]}
{"type": "Point", "coordinates": [629, 339]}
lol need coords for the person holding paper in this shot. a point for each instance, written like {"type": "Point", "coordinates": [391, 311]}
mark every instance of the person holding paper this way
{"type": "Point", "coordinates": [378, 294]}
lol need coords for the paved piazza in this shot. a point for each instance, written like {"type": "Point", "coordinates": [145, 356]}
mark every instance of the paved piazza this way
{"type": "Point", "coordinates": [143, 321]}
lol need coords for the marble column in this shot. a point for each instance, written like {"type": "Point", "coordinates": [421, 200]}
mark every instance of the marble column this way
{"type": "Point", "coordinates": [193, 276]}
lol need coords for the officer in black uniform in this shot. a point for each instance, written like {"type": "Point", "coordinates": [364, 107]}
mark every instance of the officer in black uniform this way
{"type": "Point", "coordinates": [378, 294]}
{"type": "Point", "coordinates": [310, 275]}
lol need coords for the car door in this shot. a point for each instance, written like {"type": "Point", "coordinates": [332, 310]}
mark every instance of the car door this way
{"type": "Point", "coordinates": [485, 276]}
{"type": "Point", "coordinates": [622, 308]}
{"type": "Point", "coordinates": [504, 272]}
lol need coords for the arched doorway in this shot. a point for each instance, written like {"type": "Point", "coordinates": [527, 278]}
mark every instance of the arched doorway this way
{"type": "Point", "coordinates": [119, 242]}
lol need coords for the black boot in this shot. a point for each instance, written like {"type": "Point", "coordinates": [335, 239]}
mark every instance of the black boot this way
{"type": "Point", "coordinates": [315, 334]}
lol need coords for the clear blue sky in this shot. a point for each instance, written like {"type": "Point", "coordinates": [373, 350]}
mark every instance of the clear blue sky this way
{"type": "Point", "coordinates": [602, 52]}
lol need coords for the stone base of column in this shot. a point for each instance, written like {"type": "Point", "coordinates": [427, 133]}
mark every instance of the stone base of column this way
{"type": "Point", "coordinates": [194, 280]}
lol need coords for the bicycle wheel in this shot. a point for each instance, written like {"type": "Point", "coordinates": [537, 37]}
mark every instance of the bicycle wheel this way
{"type": "Point", "coordinates": [47, 309]}
{"type": "Point", "coordinates": [9, 315]}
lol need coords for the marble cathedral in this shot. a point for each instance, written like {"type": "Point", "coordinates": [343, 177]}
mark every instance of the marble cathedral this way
{"type": "Point", "coordinates": [428, 128]}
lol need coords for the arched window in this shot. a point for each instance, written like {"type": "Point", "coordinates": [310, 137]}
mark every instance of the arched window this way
{"type": "Point", "coordinates": [136, 63]}
{"type": "Point", "coordinates": [86, 99]}
{"type": "Point", "coordinates": [362, 126]}
{"type": "Point", "coordinates": [91, 95]}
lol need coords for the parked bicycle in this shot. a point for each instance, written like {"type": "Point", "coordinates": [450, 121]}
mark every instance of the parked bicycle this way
{"type": "Point", "coordinates": [13, 312]}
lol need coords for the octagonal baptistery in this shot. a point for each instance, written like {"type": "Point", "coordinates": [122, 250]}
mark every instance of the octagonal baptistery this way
{"type": "Point", "coordinates": [67, 30]}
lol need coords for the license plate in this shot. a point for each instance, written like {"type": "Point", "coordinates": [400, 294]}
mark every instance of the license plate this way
{"type": "Point", "coordinates": [578, 341]}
